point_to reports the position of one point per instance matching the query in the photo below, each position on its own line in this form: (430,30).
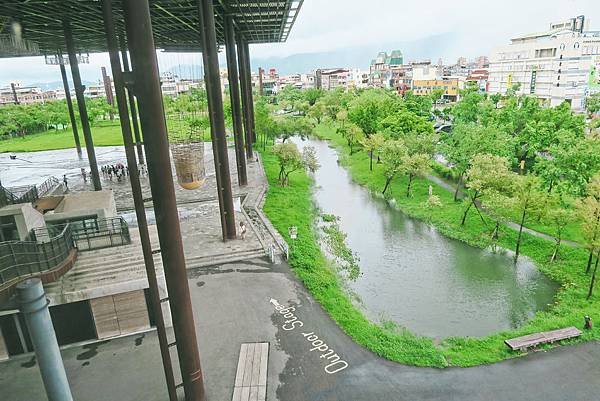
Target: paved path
(232,305)
(450,187)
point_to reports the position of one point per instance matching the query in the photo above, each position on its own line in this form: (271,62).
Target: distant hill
(432,47)
(53,85)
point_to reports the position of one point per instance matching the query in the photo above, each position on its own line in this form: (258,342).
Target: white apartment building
(558,65)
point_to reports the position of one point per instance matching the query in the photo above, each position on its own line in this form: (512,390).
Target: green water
(420,279)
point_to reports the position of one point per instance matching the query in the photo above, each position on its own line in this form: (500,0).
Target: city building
(332,78)
(384,68)
(479,78)
(25,94)
(557,65)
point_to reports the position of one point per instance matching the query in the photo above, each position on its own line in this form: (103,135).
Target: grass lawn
(104,133)
(292,206)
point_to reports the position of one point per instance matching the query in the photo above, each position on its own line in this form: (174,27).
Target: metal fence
(95,234)
(26,194)
(21,258)
(46,248)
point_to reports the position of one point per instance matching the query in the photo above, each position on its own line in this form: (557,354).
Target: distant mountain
(448,46)
(53,85)
(432,47)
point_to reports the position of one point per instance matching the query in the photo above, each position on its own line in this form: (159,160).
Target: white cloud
(324,25)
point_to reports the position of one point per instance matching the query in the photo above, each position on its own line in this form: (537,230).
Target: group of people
(118,171)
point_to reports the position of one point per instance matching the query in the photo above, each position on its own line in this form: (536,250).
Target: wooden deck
(546,337)
(251,376)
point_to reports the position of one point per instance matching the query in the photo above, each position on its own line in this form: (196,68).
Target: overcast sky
(324,25)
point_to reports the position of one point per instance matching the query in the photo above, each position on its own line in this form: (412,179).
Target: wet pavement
(238,303)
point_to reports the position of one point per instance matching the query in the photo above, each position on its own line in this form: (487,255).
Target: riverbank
(293,206)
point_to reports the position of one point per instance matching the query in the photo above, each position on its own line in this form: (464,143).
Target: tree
(589,211)
(312,95)
(393,153)
(559,217)
(309,159)
(404,122)
(291,160)
(529,199)
(372,144)
(592,104)
(467,140)
(288,127)
(353,135)
(414,166)
(317,111)
(487,173)
(370,108)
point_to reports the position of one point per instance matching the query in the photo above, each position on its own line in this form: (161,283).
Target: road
(237,303)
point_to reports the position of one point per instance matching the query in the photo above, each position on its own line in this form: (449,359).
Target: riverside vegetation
(479,220)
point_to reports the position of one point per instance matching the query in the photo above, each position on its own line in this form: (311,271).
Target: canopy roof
(175,23)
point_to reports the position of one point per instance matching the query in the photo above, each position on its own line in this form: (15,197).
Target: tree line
(511,158)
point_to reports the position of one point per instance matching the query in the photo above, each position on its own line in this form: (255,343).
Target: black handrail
(46,248)
(24,258)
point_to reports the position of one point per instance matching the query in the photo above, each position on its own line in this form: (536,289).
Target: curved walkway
(444,184)
(234,304)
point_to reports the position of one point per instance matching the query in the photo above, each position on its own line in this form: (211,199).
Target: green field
(105,133)
(292,206)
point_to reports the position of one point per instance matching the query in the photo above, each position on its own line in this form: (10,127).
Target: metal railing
(46,248)
(96,234)
(23,258)
(28,193)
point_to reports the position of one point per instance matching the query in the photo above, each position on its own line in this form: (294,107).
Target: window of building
(8,229)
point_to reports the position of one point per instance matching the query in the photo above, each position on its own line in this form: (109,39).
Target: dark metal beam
(132,106)
(217,118)
(85,122)
(245,98)
(250,95)
(138,200)
(63,74)
(236,108)
(154,127)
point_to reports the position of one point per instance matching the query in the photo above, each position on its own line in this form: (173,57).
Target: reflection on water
(418,278)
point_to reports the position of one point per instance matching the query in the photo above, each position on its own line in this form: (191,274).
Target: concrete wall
(3,350)
(26,217)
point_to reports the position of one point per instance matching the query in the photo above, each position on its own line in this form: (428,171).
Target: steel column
(248,69)
(217,118)
(85,123)
(236,108)
(14,93)
(138,200)
(132,106)
(63,74)
(34,306)
(245,98)
(154,127)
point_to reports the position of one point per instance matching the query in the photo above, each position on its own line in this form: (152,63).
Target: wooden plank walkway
(251,375)
(533,340)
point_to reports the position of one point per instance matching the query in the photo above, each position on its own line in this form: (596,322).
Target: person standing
(242,230)
(65,182)
(84,174)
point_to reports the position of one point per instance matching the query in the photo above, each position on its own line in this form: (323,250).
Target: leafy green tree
(592,103)
(589,212)
(486,174)
(416,165)
(370,108)
(372,144)
(468,139)
(353,135)
(559,217)
(529,200)
(291,160)
(317,111)
(419,105)
(294,126)
(404,122)
(393,153)
(312,95)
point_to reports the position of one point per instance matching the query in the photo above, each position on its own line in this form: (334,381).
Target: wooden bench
(546,337)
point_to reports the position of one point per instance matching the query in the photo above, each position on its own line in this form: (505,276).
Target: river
(416,277)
